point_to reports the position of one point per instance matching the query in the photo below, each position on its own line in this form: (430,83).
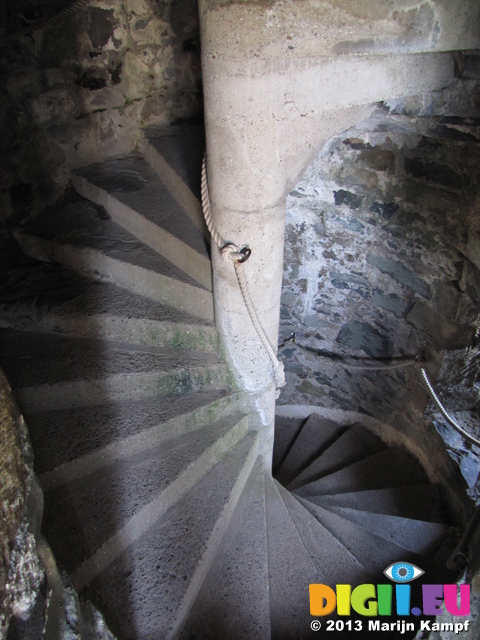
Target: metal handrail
(460,556)
(447,417)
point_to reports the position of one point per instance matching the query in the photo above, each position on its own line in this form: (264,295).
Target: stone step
(354,444)
(419,502)
(73,233)
(388,468)
(372,551)
(316,435)
(82,516)
(377,553)
(418,536)
(237,582)
(176,154)
(286,431)
(182,146)
(136,198)
(319,541)
(73,443)
(290,569)
(49,297)
(143,577)
(52,372)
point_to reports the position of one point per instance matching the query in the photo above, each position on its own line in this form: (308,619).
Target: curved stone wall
(380,273)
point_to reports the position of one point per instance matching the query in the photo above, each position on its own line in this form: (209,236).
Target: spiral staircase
(159,497)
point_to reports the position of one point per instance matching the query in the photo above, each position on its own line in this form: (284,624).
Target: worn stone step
(49,297)
(152,570)
(388,468)
(238,577)
(419,502)
(286,431)
(136,198)
(52,372)
(377,553)
(72,443)
(316,435)
(176,154)
(182,146)
(419,536)
(290,569)
(374,553)
(83,515)
(77,235)
(354,444)
(319,541)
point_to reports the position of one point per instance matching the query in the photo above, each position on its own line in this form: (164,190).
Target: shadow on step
(103,389)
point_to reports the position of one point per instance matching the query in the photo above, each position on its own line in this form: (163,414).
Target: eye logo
(403,572)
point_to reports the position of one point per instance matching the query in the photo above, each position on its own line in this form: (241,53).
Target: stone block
(351,282)
(310,389)
(351,224)
(357,143)
(363,178)
(471,66)
(21,572)
(450,132)
(473,248)
(361,336)
(434,172)
(444,333)
(471,282)
(447,301)
(399,272)
(105,98)
(469,466)
(133,77)
(377,159)
(385,209)
(54,105)
(101,25)
(351,200)
(389,302)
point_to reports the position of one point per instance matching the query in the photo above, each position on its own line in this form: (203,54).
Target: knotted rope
(232,253)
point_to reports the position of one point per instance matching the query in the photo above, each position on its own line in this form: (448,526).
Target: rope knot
(230,251)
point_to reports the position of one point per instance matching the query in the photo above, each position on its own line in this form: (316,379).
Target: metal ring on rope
(246,254)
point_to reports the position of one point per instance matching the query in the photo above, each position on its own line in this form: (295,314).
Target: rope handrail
(447,417)
(231,252)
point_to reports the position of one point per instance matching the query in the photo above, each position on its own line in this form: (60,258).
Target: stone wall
(381,270)
(37,599)
(21,572)
(76,87)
